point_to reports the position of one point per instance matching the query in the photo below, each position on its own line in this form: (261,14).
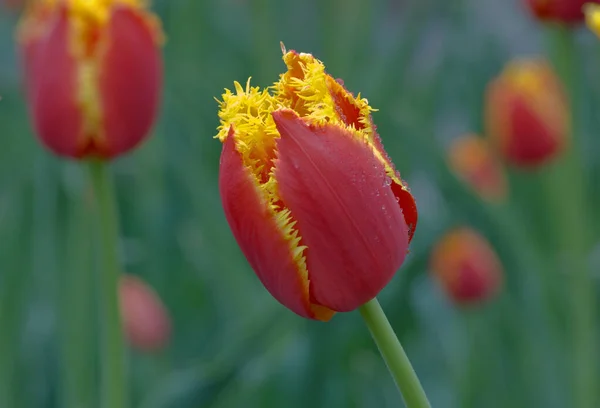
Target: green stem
(568,178)
(394,356)
(113,376)
(77,322)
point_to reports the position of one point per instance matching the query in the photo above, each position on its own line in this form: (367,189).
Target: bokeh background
(425,65)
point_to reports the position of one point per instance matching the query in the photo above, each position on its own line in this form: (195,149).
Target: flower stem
(113,377)
(394,356)
(568,180)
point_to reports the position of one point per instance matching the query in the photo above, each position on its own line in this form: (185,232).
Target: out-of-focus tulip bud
(466,266)
(592,17)
(311,196)
(146,322)
(561,11)
(527,115)
(93,73)
(473,160)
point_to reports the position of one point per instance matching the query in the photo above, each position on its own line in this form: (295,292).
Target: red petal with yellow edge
(50,78)
(346,211)
(257,234)
(130,81)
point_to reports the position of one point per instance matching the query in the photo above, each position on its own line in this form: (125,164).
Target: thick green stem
(77,311)
(394,356)
(567,177)
(113,373)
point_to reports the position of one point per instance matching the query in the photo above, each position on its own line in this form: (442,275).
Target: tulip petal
(130,80)
(52,88)
(346,211)
(258,235)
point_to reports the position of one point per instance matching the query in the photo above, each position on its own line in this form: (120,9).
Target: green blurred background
(424,64)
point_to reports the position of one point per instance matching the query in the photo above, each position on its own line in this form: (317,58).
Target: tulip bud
(466,266)
(527,114)
(561,11)
(145,322)
(93,74)
(472,160)
(312,199)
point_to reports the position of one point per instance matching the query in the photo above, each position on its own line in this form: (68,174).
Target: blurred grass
(425,65)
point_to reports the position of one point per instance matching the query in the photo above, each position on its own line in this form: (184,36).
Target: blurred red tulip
(466,266)
(527,114)
(93,72)
(313,200)
(146,322)
(473,160)
(563,11)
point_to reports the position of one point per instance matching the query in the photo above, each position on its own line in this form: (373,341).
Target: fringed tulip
(466,266)
(93,73)
(560,11)
(146,322)
(527,114)
(313,200)
(473,160)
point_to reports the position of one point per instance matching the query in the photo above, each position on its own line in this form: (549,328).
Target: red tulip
(473,160)
(93,73)
(527,114)
(466,266)
(563,11)
(146,322)
(313,200)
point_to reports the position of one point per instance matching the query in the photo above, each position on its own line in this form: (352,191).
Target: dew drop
(387,182)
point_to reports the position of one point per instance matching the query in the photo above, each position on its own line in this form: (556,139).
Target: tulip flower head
(313,200)
(466,266)
(473,160)
(527,114)
(93,74)
(560,11)
(146,322)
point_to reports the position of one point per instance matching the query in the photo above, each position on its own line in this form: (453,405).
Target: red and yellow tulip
(466,266)
(527,114)
(473,160)
(563,11)
(93,73)
(313,200)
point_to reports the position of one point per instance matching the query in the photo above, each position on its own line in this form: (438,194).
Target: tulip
(561,11)
(466,266)
(93,74)
(146,322)
(527,115)
(473,160)
(313,200)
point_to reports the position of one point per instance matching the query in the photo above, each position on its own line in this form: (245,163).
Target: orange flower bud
(313,200)
(93,73)
(562,11)
(466,266)
(145,320)
(472,160)
(527,114)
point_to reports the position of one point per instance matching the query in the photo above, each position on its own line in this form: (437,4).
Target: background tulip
(311,196)
(563,11)
(527,115)
(466,266)
(93,73)
(473,160)
(146,322)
